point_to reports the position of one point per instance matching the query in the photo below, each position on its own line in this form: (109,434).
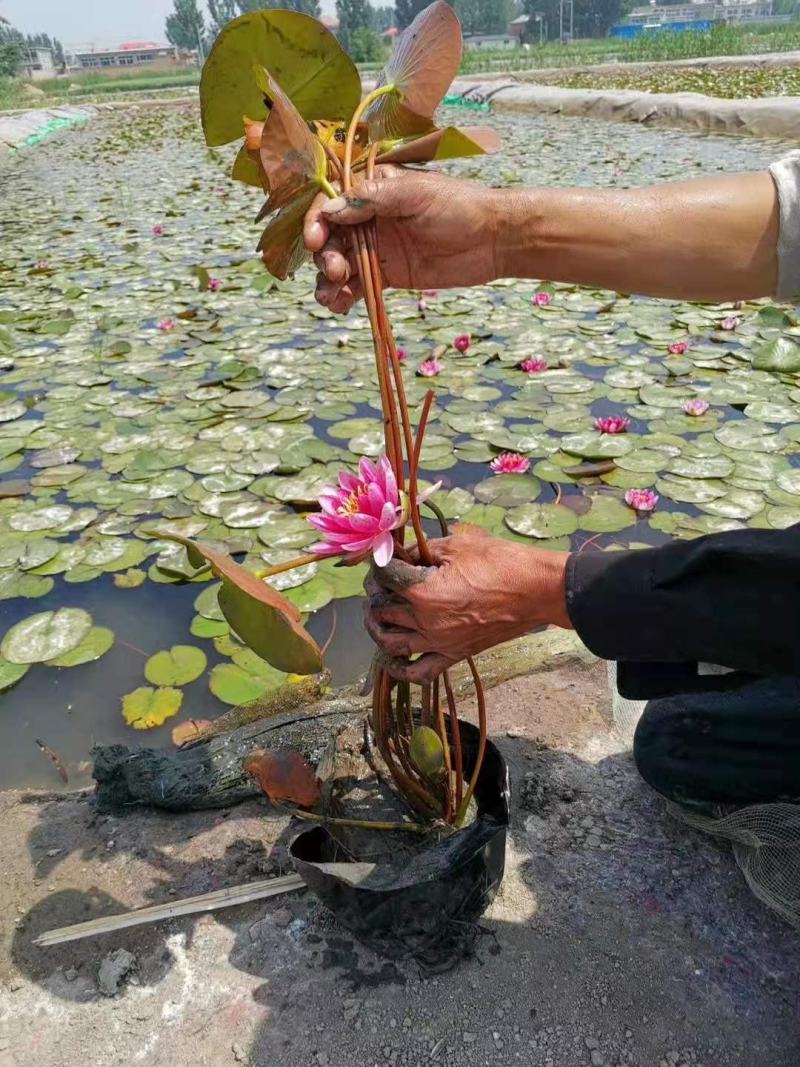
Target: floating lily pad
(232,685)
(96,643)
(178,665)
(508,490)
(11,673)
(542,520)
(46,636)
(146,707)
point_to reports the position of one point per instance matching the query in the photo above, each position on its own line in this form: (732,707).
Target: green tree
(185,27)
(352,15)
(382,19)
(220,12)
(305,7)
(483,16)
(406,10)
(365,46)
(10,58)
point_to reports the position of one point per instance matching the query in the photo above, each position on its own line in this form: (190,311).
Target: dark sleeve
(732,599)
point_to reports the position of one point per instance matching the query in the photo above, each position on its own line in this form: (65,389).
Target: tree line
(14,46)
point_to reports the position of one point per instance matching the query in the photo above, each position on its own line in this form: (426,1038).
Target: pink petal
(323,548)
(388,519)
(426,494)
(383,549)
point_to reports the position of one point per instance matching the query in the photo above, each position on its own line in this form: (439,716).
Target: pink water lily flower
(641,499)
(41,265)
(677,348)
(421,305)
(359,514)
(429,368)
(612,424)
(214,285)
(533,366)
(696,406)
(157,230)
(462,342)
(510,463)
(402,355)
(165,325)
(430,292)
(730,322)
(541,299)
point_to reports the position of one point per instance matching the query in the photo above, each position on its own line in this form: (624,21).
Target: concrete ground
(619,937)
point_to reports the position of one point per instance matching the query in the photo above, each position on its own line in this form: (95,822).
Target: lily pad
(178,665)
(232,685)
(46,636)
(11,673)
(96,643)
(146,708)
(542,520)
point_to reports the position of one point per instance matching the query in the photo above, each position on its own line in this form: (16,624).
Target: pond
(134,396)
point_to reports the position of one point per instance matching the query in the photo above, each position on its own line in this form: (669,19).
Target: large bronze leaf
(305,57)
(424,62)
(266,621)
(290,154)
(451,142)
(283,774)
(281,246)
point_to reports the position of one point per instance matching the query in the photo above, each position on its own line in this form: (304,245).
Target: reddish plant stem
(422,544)
(481,700)
(426,704)
(438,714)
(456,738)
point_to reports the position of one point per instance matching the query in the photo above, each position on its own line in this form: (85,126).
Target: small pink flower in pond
(641,499)
(402,355)
(167,324)
(677,348)
(41,265)
(541,299)
(730,322)
(429,368)
(462,342)
(214,285)
(696,406)
(157,230)
(533,366)
(421,305)
(510,463)
(430,292)
(612,424)
(359,514)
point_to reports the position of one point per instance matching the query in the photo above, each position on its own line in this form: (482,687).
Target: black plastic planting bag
(426,907)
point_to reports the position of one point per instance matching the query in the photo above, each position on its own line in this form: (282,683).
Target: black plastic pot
(428,907)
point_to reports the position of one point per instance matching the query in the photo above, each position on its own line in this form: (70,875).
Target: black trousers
(735,742)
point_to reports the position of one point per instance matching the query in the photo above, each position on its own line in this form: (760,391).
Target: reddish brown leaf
(448,143)
(283,774)
(290,154)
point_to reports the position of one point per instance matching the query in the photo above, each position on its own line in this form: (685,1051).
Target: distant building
(490,41)
(130,54)
(700,15)
(529,29)
(38,64)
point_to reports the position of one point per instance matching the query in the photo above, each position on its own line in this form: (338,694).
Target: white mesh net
(765,838)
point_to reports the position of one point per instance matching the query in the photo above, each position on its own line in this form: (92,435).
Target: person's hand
(434,232)
(480,592)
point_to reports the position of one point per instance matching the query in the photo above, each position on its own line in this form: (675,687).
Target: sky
(101,22)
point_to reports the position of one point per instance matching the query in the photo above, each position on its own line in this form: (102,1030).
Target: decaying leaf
(283,774)
(267,622)
(188,731)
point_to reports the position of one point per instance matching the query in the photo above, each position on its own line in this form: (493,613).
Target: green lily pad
(782,354)
(11,673)
(46,635)
(542,520)
(508,490)
(178,665)
(146,708)
(593,445)
(608,514)
(96,643)
(235,686)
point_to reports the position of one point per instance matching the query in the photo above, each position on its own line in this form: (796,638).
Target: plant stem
(456,734)
(479,696)
(422,545)
(289,565)
(351,131)
(363,824)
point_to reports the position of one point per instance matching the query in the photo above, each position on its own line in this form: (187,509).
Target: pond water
(133,396)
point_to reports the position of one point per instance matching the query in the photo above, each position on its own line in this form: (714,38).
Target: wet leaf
(283,774)
(45,636)
(542,520)
(146,707)
(11,673)
(96,643)
(426,751)
(178,665)
(233,685)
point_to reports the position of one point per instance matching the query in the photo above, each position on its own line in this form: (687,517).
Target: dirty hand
(433,232)
(480,592)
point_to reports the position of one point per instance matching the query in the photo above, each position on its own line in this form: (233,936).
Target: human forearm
(707,239)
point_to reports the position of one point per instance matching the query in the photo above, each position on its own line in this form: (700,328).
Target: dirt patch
(619,936)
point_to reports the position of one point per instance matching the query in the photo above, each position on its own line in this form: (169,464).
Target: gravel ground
(619,936)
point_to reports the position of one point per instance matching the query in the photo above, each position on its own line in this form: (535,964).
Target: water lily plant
(280,81)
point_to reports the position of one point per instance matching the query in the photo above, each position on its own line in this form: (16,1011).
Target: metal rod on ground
(213,901)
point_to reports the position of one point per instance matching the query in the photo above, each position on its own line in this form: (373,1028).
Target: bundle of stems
(393,717)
